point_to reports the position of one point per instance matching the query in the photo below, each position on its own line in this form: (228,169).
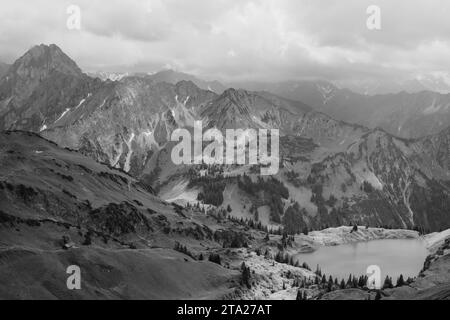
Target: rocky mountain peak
(41,60)
(34,67)
(233,99)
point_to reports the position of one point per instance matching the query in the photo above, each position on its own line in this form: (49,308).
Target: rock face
(400,183)
(343,235)
(34,67)
(39,87)
(124,122)
(3,69)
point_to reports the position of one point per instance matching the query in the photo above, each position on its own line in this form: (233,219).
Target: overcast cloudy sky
(238,39)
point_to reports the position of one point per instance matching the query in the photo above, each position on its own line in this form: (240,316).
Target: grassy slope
(33,261)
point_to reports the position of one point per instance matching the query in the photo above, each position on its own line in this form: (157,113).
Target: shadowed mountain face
(34,67)
(39,86)
(408,115)
(3,69)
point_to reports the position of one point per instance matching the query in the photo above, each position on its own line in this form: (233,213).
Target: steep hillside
(59,208)
(384,180)
(125,122)
(334,173)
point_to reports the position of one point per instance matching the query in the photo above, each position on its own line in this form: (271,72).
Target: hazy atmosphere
(240,40)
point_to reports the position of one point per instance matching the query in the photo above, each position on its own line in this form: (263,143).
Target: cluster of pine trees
(256,225)
(212,192)
(213,183)
(294,178)
(215,257)
(293,222)
(231,239)
(183,249)
(274,191)
(388,283)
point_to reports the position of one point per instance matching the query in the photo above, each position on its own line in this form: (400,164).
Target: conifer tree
(349,281)
(400,281)
(388,283)
(378,295)
(299,295)
(318,271)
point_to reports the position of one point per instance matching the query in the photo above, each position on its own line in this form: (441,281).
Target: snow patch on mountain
(81,102)
(126,166)
(433,108)
(63,114)
(147,138)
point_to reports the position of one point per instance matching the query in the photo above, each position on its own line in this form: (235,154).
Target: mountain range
(407,109)
(86,178)
(432,82)
(169,76)
(337,171)
(403,114)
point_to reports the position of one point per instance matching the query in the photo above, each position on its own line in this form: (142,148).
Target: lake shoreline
(344,235)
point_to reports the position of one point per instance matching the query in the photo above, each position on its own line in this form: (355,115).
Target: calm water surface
(394,257)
